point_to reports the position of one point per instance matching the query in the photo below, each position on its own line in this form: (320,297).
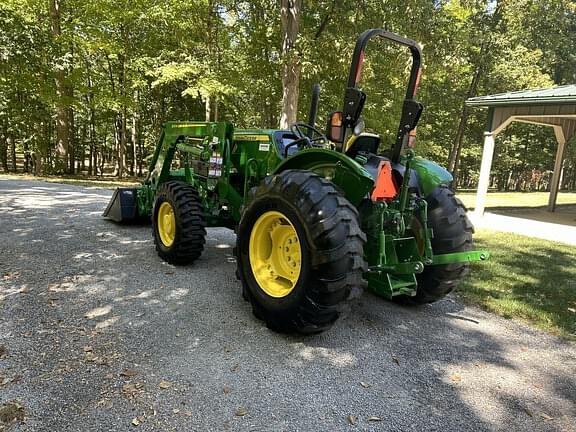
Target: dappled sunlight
(102,254)
(109,301)
(107,323)
(177,294)
(69,283)
(336,358)
(20,201)
(10,291)
(98,312)
(525,278)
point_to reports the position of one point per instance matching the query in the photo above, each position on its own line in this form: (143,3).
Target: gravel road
(98,334)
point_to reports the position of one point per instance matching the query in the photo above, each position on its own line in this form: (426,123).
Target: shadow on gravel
(106,332)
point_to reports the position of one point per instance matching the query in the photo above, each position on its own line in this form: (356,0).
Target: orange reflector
(385,188)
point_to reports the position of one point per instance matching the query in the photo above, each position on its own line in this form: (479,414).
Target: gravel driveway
(98,334)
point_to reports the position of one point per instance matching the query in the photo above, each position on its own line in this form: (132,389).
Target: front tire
(178,223)
(452,233)
(299,251)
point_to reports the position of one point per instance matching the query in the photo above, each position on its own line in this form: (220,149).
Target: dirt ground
(98,334)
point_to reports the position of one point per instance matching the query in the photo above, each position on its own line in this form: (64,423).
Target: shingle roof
(554,95)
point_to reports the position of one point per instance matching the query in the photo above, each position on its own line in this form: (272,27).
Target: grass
(528,279)
(516,199)
(96,182)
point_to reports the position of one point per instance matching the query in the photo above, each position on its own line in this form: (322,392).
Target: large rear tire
(452,233)
(299,251)
(178,223)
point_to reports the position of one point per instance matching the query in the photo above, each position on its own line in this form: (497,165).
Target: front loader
(317,215)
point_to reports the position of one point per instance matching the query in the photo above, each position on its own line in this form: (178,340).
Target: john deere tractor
(317,215)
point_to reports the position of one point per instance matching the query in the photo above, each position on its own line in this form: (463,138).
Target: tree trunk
(134,135)
(289,18)
(12,144)
(481,64)
(4,148)
(71,142)
(62,92)
(208,107)
(454,158)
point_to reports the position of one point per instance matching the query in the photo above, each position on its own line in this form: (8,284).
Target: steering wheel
(317,138)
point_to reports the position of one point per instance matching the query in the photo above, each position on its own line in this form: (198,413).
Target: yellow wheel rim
(166,224)
(275,254)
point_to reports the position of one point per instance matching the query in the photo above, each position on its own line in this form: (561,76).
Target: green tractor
(317,216)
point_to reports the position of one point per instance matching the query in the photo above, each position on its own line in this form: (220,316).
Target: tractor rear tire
(452,233)
(299,251)
(178,221)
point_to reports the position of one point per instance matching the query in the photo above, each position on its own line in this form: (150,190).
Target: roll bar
(354,98)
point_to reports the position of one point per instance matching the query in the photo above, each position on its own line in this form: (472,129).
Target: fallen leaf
(175,410)
(11,412)
(529,412)
(226,389)
(545,416)
(136,421)
(365,385)
(10,275)
(133,389)
(352,419)
(3,351)
(24,290)
(101,361)
(165,384)
(374,419)
(87,348)
(456,377)
(128,373)
(241,412)
(395,359)
(105,403)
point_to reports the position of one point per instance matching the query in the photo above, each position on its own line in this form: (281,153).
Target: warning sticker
(264,147)
(239,137)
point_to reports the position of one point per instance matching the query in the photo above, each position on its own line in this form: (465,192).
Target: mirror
(335,130)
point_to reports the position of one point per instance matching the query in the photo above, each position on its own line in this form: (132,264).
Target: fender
(430,175)
(347,174)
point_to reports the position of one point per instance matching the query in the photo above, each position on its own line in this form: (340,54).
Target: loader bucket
(123,206)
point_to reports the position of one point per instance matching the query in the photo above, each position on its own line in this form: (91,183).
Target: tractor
(318,216)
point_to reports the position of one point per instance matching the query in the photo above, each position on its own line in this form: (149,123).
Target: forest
(86,86)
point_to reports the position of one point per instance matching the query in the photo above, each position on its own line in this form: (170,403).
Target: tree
(290,17)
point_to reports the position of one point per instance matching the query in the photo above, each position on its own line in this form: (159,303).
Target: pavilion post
(555,184)
(485,167)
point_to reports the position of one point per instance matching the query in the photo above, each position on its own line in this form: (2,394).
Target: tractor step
(123,206)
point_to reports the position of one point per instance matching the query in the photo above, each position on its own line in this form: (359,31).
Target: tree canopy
(85,86)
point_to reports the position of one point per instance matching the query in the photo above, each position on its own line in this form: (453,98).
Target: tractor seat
(363,143)
(283,138)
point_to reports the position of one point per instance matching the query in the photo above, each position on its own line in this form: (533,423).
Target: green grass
(528,279)
(516,199)
(101,183)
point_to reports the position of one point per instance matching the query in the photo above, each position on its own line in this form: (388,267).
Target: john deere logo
(252,137)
